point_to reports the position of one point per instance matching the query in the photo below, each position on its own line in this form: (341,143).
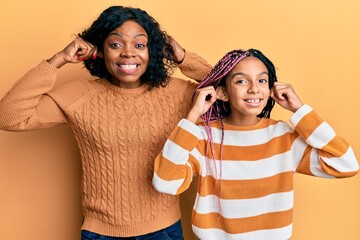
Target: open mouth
(128,66)
(253,100)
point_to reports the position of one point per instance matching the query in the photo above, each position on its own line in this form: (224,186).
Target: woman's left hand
(179,52)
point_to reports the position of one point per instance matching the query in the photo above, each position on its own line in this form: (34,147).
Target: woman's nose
(127,51)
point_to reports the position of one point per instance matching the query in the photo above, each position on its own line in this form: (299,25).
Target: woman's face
(126,54)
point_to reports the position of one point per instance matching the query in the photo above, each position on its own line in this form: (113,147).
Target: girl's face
(126,54)
(247,90)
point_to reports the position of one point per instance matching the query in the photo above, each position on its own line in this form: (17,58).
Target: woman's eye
(140,45)
(115,45)
(263,81)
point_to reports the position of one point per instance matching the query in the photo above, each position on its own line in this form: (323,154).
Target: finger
(95,53)
(85,50)
(278,94)
(209,93)
(211,97)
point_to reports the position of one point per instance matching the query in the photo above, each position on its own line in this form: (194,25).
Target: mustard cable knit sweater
(119,133)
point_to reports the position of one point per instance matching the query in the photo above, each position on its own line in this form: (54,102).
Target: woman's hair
(217,77)
(111,18)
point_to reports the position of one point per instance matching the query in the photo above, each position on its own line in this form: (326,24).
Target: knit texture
(249,193)
(119,133)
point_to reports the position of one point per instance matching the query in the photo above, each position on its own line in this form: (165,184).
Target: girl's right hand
(203,99)
(77,51)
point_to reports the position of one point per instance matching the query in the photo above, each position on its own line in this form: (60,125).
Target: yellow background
(315,46)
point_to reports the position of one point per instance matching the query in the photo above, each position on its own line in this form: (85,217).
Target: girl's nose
(254,88)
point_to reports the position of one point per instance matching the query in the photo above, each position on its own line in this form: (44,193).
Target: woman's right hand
(77,51)
(203,99)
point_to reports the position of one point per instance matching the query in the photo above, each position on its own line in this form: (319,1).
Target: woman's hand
(285,96)
(78,50)
(179,52)
(203,99)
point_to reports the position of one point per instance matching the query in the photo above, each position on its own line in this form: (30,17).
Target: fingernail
(94,56)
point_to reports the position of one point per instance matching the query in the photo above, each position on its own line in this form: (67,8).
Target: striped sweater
(249,193)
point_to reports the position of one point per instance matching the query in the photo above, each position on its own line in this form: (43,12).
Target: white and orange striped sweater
(253,197)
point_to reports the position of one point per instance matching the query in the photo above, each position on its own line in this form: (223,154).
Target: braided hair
(217,77)
(221,109)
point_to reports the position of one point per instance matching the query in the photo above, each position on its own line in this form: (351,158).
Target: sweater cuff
(299,114)
(44,66)
(188,61)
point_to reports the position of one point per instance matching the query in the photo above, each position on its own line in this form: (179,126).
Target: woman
(120,120)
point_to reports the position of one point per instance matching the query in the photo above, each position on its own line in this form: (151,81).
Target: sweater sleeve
(194,66)
(27,106)
(178,161)
(318,150)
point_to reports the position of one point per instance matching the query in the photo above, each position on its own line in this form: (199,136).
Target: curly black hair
(159,67)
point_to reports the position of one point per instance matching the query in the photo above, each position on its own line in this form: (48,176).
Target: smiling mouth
(128,66)
(253,100)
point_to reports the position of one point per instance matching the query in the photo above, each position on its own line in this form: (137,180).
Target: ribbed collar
(130,91)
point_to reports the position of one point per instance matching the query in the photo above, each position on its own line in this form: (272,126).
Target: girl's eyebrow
(244,74)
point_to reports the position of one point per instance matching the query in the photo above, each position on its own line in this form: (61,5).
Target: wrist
(192,117)
(297,108)
(57,60)
(180,55)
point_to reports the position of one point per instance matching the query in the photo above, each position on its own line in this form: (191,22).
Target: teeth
(128,66)
(252,100)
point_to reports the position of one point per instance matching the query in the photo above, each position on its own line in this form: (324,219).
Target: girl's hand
(285,96)
(78,50)
(203,100)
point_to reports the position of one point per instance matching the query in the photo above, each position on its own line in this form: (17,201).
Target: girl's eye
(240,81)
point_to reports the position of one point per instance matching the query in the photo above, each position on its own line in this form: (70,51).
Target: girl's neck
(243,121)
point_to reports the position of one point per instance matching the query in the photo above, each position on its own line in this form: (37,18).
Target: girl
(244,159)
(120,120)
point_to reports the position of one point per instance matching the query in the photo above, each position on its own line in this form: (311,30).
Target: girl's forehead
(249,64)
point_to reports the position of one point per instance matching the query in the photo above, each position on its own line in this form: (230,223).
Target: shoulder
(178,83)
(272,123)
(70,88)
(71,92)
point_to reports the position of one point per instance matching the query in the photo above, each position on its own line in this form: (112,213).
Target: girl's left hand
(285,96)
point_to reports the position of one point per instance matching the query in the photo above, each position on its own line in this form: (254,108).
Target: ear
(221,94)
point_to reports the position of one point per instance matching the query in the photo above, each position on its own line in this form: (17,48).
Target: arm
(323,153)
(194,67)
(190,64)
(175,166)
(27,106)
(317,150)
